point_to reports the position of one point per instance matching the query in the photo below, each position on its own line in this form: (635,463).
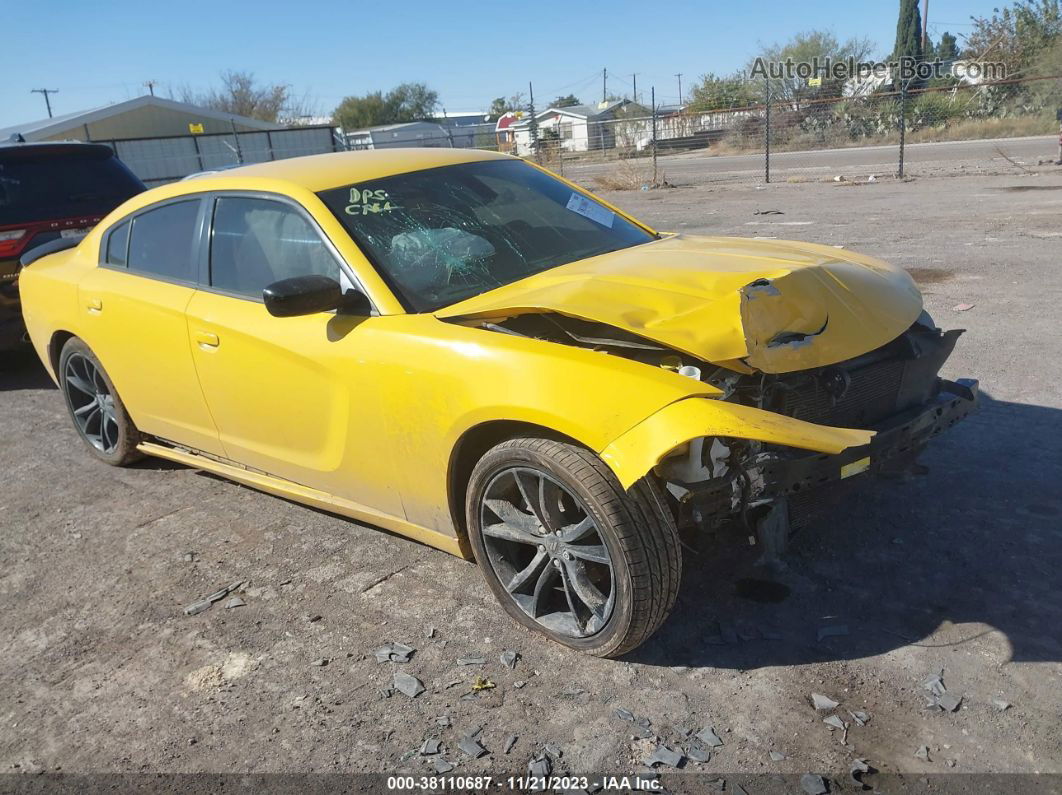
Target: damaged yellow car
(465,349)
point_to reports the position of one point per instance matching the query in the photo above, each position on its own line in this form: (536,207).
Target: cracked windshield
(445,234)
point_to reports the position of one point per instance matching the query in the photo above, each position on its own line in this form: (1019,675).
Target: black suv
(50,191)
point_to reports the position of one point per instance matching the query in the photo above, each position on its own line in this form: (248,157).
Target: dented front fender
(637,451)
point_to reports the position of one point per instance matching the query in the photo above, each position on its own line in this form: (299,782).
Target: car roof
(35,148)
(335,169)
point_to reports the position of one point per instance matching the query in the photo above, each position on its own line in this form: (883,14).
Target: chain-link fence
(988,128)
(627,145)
(982,128)
(881,133)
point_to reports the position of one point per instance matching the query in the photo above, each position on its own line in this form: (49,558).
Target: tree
(1016,36)
(947,49)
(717,93)
(806,47)
(565,102)
(502,105)
(909,32)
(240,95)
(1048,93)
(404,103)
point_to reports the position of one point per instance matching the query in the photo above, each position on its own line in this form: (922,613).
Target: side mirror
(308,295)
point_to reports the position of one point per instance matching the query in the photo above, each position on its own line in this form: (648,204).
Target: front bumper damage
(895,443)
(774,475)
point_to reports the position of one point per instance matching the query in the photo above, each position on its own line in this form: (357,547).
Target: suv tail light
(11,241)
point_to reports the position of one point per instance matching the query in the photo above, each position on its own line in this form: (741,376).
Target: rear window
(61,184)
(163,240)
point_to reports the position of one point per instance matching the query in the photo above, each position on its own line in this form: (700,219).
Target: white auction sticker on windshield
(592,210)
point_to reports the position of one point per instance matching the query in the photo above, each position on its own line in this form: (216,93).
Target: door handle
(94,305)
(207,339)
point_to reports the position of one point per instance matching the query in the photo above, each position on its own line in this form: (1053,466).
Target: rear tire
(98,414)
(542,517)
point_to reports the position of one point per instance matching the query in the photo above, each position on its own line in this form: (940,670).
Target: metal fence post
(903,125)
(236,138)
(198,153)
(1059,161)
(653,94)
(767,130)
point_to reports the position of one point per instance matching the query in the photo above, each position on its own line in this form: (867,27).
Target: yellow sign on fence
(814,81)
(195,127)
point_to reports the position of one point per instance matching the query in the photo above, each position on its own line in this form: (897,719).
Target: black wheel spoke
(511,532)
(98,382)
(91,421)
(578,531)
(80,384)
(549,512)
(107,425)
(513,516)
(525,484)
(523,576)
(594,554)
(542,584)
(573,602)
(582,586)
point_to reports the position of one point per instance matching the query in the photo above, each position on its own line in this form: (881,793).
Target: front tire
(566,551)
(98,414)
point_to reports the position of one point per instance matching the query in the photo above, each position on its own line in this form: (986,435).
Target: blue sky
(102,52)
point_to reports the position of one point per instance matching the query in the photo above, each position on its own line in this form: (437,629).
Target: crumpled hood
(776,305)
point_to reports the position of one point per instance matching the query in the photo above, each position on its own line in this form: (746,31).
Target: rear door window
(163,241)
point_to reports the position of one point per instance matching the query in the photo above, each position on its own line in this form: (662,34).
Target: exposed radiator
(871,397)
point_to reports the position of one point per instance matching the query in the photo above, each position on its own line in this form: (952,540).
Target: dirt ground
(958,571)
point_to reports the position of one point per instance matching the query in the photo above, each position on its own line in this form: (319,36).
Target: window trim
(207,238)
(194,249)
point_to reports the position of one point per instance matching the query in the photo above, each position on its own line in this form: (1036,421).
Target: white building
(582,128)
(390,136)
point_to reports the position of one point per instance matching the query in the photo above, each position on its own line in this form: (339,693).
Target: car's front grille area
(871,397)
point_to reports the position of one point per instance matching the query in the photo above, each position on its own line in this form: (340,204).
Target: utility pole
(604,84)
(46,92)
(532,123)
(925,25)
(150,85)
(679,76)
(634,78)
(652,94)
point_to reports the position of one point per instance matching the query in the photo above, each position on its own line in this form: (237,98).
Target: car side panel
(136,326)
(296,397)
(439,380)
(48,290)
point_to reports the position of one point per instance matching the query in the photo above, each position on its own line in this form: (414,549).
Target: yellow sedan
(465,349)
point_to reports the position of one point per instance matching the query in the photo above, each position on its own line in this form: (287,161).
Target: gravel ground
(957,573)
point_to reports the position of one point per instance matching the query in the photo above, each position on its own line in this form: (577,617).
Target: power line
(46,92)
